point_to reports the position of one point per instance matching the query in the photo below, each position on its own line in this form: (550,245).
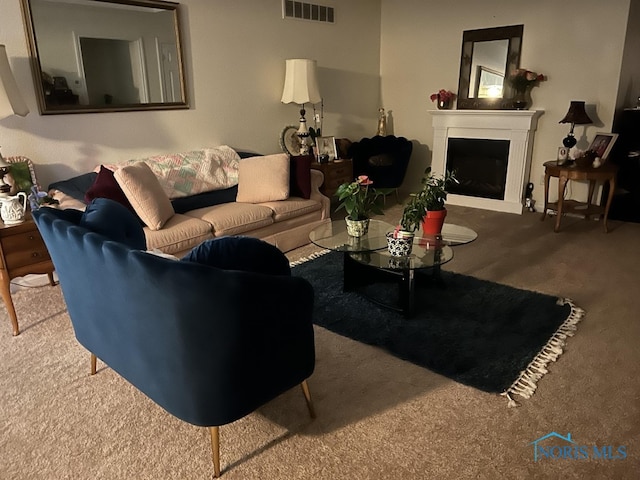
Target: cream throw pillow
(263,179)
(144,192)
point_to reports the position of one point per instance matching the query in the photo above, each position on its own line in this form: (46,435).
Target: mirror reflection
(487,69)
(488,55)
(115,55)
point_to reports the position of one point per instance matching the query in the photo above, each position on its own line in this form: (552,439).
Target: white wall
(577,44)
(234,52)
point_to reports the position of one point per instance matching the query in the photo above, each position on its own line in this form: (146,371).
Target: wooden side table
(335,173)
(564,173)
(22,251)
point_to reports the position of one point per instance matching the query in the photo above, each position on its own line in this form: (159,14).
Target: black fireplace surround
(480,165)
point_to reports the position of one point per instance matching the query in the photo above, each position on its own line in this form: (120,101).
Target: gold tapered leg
(93,364)
(307,396)
(215,449)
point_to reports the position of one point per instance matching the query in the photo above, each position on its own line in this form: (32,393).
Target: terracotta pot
(433,221)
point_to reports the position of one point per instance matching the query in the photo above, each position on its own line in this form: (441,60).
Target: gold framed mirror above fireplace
(91,56)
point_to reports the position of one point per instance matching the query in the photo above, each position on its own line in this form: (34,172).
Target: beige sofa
(284,223)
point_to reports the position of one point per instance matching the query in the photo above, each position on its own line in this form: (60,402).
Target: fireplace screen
(479,165)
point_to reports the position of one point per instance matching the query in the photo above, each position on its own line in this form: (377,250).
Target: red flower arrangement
(521,79)
(443,95)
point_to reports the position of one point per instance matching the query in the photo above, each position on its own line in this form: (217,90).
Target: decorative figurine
(382,123)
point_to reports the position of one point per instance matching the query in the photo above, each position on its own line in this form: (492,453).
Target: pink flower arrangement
(359,199)
(521,79)
(443,95)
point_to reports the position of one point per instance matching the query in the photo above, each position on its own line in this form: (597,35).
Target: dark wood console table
(564,173)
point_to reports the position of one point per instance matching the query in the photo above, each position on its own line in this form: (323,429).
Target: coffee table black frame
(366,260)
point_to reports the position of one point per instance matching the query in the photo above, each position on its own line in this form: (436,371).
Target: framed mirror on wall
(488,56)
(91,56)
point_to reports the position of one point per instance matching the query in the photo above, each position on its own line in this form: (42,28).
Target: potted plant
(400,241)
(430,200)
(522,80)
(360,201)
(444,98)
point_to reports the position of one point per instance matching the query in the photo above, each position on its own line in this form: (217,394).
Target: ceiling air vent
(308,11)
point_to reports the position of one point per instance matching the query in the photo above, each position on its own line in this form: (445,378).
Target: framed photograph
(563,155)
(602,144)
(327,146)
(21,176)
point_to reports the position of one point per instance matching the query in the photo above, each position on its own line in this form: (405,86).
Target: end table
(564,173)
(335,173)
(22,251)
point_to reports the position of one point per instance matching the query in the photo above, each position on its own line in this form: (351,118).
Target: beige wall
(235,52)
(577,44)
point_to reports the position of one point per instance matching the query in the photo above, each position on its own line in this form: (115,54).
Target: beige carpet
(378,417)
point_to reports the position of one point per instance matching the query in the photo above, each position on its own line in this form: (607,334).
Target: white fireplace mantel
(516,126)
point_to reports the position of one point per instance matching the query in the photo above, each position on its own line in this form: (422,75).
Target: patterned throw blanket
(189,173)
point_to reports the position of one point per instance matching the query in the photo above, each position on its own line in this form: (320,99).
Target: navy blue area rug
(483,334)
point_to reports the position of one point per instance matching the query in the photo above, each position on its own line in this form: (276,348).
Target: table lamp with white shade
(300,87)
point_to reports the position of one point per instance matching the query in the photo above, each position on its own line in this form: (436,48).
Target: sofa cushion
(263,179)
(204,199)
(240,253)
(300,176)
(145,194)
(116,222)
(234,218)
(292,207)
(105,186)
(180,234)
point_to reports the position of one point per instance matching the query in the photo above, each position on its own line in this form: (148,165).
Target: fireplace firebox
(480,166)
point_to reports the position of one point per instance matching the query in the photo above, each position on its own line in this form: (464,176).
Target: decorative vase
(433,221)
(401,245)
(520,101)
(357,228)
(443,104)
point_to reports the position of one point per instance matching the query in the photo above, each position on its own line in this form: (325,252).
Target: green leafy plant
(432,197)
(359,199)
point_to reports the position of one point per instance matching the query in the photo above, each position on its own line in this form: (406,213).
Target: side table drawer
(342,173)
(24,249)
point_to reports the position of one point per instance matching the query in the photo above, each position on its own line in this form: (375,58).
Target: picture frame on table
(327,146)
(563,155)
(21,176)
(602,144)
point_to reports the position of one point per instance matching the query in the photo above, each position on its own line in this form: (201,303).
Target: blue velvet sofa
(209,338)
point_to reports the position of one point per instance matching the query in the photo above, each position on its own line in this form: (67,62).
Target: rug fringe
(526,383)
(313,256)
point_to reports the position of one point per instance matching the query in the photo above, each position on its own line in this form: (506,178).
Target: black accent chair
(209,338)
(383,159)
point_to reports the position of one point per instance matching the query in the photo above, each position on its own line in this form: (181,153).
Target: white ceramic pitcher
(13,208)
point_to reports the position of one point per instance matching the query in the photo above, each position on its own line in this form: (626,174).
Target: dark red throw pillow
(106,186)
(300,176)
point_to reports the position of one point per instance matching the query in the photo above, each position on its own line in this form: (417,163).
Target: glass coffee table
(367,261)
